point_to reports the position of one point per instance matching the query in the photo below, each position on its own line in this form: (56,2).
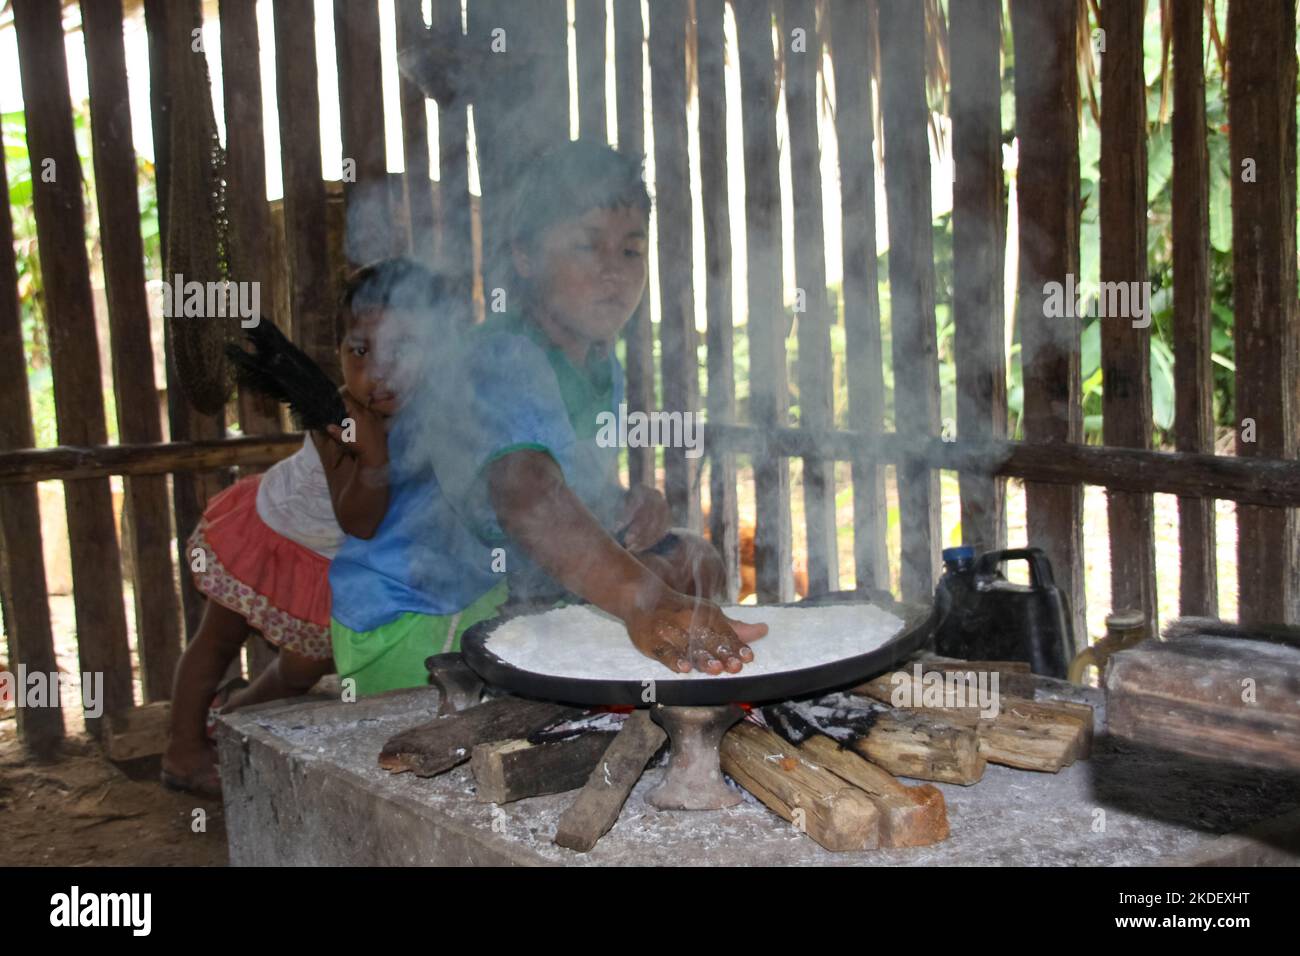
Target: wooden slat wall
(978,237)
(157,615)
(851,45)
(629,76)
(415,142)
(22,564)
(674,248)
(368,235)
(589,40)
(1261,117)
(455,225)
(74,353)
(1198,584)
(714,196)
(1125,345)
(768,393)
(1047,124)
(816,401)
(911,282)
(305,224)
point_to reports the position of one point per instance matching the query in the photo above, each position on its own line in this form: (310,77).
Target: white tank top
(293,500)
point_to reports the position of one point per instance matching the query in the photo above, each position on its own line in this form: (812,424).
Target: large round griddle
(701,692)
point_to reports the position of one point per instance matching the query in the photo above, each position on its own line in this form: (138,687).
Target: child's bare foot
(193,770)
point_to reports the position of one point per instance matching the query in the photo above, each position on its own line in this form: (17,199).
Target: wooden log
(138,732)
(769,397)
(65,463)
(435,747)
(508,770)
(415,142)
(909,816)
(910,744)
(157,613)
(1198,578)
(678,340)
(816,398)
(1261,116)
(455,248)
(838,816)
(246,206)
(1126,338)
(310,282)
(22,566)
(911,282)
(589,41)
(1047,123)
(724,519)
(978,240)
(851,48)
(597,805)
(629,73)
(1222,698)
(74,353)
(361,119)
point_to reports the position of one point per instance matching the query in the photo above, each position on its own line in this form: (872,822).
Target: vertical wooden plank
(1047,124)
(102,645)
(455,225)
(368,232)
(311,298)
(589,38)
(415,142)
(768,393)
(978,231)
(816,398)
(911,282)
(156,609)
(1261,117)
(629,74)
(1198,590)
(724,518)
(1126,339)
(22,565)
(851,46)
(678,339)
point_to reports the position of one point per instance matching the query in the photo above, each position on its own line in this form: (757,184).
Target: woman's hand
(646,517)
(369,440)
(683,632)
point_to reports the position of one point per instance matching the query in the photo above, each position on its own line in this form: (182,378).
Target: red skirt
(279,586)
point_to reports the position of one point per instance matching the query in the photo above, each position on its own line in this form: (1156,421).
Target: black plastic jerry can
(986,617)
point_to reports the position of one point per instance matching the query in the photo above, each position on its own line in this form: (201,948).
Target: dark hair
(568,181)
(391,283)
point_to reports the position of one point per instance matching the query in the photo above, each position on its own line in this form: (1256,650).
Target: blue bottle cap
(963,553)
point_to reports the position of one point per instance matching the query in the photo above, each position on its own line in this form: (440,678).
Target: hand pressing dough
(582,642)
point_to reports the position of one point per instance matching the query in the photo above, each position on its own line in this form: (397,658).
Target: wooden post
(156,610)
(306,227)
(1261,116)
(368,234)
(74,353)
(589,39)
(1047,124)
(455,250)
(629,67)
(678,339)
(415,142)
(851,46)
(22,565)
(724,519)
(768,394)
(1198,591)
(978,236)
(911,282)
(1125,338)
(816,398)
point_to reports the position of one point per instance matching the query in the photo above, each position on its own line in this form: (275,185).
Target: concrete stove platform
(302,787)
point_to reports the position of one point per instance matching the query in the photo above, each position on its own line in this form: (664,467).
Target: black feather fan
(278,368)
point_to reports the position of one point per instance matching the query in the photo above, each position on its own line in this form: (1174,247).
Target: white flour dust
(582,642)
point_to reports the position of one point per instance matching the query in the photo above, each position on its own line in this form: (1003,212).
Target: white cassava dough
(582,642)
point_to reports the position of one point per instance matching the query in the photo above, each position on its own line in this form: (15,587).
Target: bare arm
(356,472)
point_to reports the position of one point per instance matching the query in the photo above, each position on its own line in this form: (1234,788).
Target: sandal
(204,783)
(224,690)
